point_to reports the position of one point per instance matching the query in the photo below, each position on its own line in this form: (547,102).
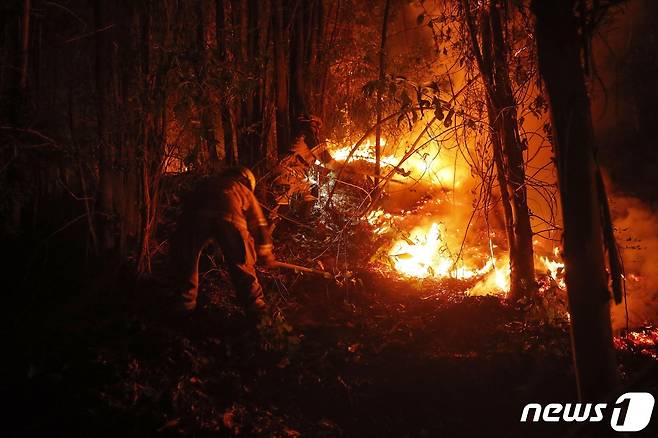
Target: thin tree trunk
(298,70)
(25,43)
(103,67)
(131,86)
(235,55)
(228,125)
(280,38)
(254,114)
(380,88)
(313,56)
(208,136)
(587,284)
(144,259)
(328,41)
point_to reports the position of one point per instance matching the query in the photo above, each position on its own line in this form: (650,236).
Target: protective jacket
(222,209)
(224,198)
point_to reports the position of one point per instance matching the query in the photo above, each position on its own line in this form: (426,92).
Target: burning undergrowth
(642,341)
(430,232)
(436,218)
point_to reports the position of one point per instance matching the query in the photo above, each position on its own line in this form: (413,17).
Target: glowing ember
(643,340)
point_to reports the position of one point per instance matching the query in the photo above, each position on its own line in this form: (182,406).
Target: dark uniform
(222,208)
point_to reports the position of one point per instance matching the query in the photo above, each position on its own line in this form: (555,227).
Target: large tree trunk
(522,268)
(587,284)
(507,147)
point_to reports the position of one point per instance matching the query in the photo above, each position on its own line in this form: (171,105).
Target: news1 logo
(630,413)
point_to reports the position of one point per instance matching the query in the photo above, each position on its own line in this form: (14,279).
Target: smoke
(636,226)
(623,109)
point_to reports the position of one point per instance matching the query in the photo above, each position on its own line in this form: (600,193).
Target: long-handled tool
(325,274)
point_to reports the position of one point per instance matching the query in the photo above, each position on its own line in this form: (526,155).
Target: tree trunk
(228,124)
(507,147)
(587,284)
(298,66)
(254,114)
(103,79)
(380,88)
(25,43)
(280,38)
(522,269)
(208,136)
(314,56)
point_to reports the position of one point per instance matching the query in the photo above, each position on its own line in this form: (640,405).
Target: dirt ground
(366,354)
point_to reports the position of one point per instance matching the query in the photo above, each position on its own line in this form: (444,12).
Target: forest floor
(369,355)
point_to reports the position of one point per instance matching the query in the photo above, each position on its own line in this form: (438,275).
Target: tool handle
(278,264)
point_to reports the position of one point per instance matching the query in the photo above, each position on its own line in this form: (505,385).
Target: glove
(266,257)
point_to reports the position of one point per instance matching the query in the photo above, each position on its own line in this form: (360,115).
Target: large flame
(426,242)
(424,254)
(423,165)
(555,270)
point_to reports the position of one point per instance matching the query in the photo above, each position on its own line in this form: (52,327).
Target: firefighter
(224,209)
(293,178)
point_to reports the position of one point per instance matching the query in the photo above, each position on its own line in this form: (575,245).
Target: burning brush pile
(433,221)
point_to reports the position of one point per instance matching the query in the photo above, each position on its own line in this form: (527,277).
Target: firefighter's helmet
(245,175)
(310,123)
